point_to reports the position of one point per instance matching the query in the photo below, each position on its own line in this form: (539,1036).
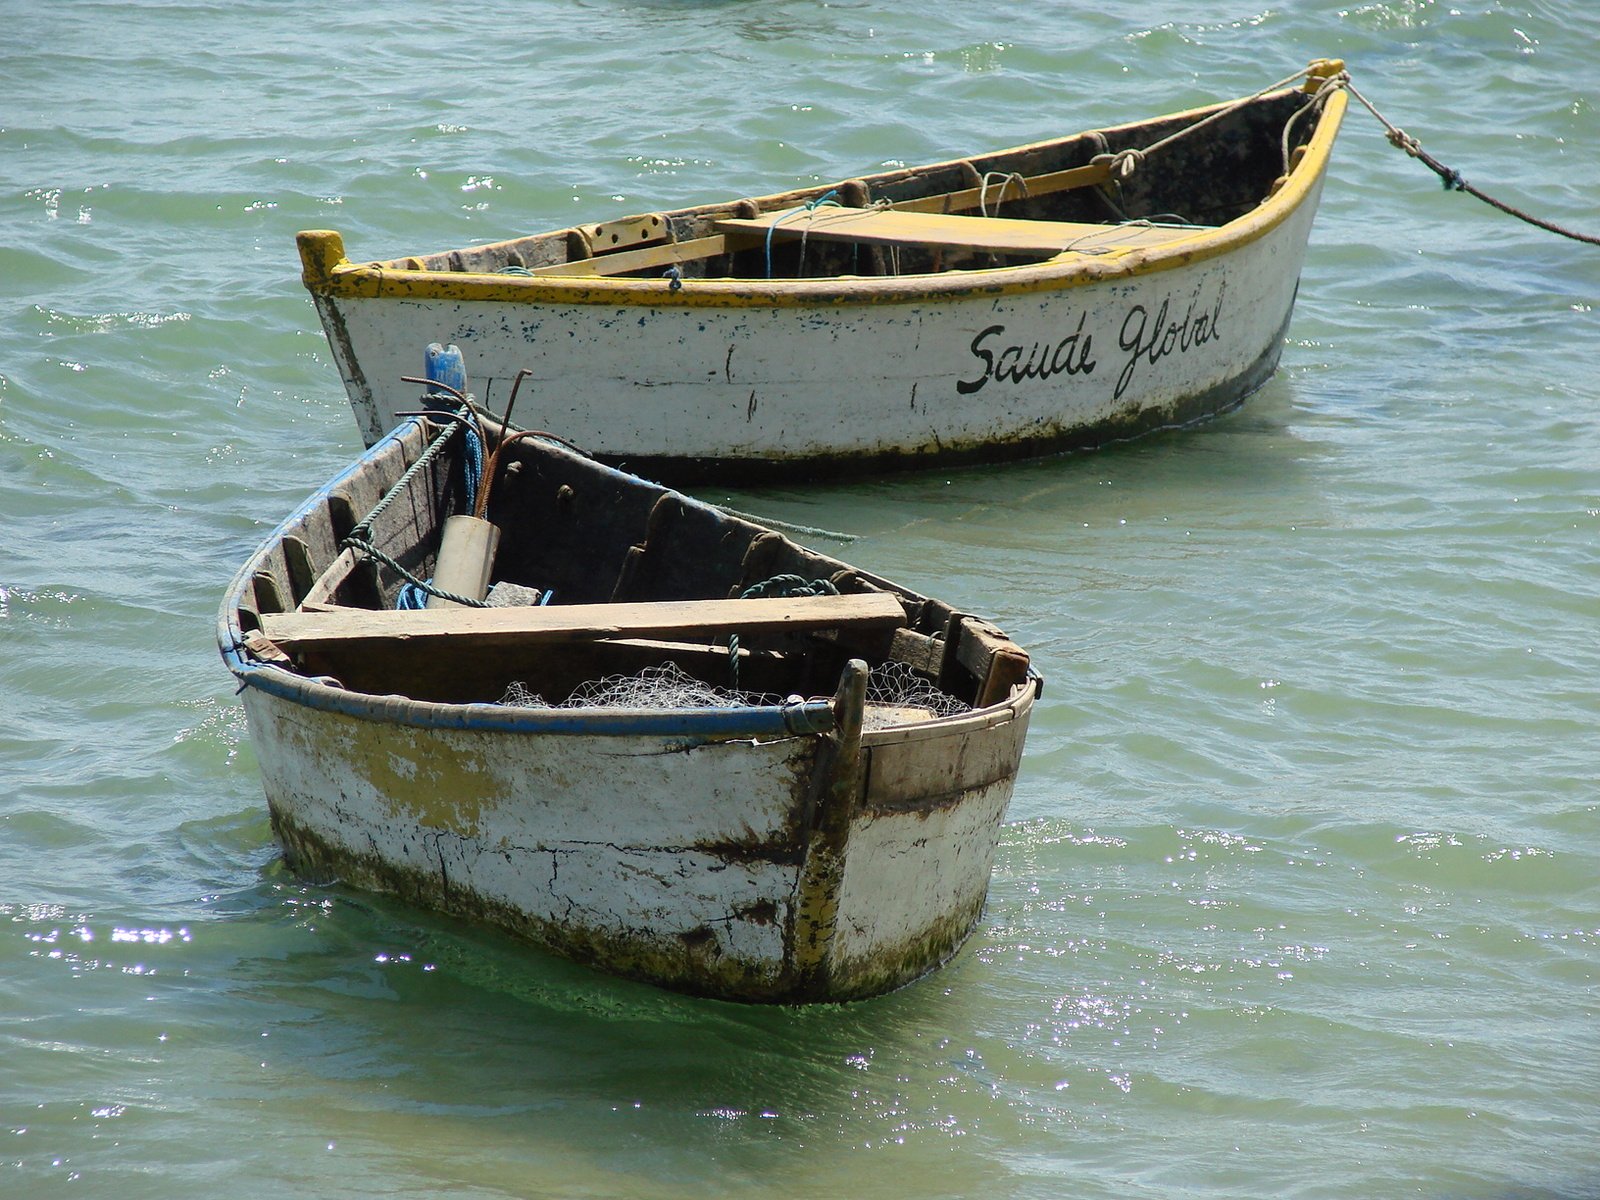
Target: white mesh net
(896,694)
(664,686)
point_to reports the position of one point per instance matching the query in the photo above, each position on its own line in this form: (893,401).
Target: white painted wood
(903,867)
(620,843)
(920,378)
(595,834)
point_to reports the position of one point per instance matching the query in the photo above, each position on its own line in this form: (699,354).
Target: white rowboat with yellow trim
(1058,295)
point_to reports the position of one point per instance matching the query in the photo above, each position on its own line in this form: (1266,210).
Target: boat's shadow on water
(1208,474)
(407,1011)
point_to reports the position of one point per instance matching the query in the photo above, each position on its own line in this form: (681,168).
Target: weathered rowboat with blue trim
(1056,295)
(803,839)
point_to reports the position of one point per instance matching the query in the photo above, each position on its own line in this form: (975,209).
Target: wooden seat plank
(888,226)
(688,620)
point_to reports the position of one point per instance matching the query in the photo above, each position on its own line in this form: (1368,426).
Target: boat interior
(1009,208)
(608,575)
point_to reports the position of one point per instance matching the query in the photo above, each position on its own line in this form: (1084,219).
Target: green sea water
(1299,895)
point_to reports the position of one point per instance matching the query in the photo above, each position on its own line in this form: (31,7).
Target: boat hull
(662,769)
(818,391)
(725,372)
(681,860)
(836,388)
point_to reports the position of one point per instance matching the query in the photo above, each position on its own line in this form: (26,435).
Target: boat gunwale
(326,273)
(803,718)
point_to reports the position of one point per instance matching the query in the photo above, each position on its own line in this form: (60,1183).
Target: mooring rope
(1449,176)
(1124,163)
(1286,143)
(812,531)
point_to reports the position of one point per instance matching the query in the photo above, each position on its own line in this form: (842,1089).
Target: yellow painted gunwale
(328,272)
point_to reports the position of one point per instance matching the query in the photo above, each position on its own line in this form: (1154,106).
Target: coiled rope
(789,585)
(777,586)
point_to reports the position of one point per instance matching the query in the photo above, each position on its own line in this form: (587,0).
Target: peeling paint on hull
(662,860)
(772,850)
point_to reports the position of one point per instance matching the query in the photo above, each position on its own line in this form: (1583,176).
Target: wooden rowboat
(821,828)
(1057,295)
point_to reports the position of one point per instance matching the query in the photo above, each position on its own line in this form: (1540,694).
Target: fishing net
(901,687)
(896,694)
(664,686)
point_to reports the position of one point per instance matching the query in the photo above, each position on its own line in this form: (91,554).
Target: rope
(412,597)
(471,466)
(828,199)
(364,526)
(1329,85)
(408,601)
(788,585)
(1005,182)
(1450,177)
(1125,162)
(413,591)
(813,531)
(777,586)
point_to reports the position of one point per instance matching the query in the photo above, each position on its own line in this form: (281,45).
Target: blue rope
(412,597)
(472,466)
(827,200)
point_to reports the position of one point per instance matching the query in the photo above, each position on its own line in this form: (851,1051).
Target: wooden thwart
(686,620)
(894,226)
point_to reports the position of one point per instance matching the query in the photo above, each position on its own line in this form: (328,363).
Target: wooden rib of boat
(1057,295)
(811,833)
